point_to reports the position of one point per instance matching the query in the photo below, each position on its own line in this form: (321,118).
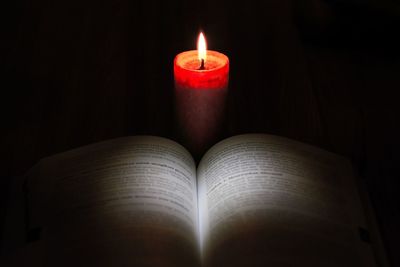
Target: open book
(254,200)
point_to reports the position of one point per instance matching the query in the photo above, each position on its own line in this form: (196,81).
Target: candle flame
(202,47)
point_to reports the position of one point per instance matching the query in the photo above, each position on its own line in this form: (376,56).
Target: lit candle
(201,82)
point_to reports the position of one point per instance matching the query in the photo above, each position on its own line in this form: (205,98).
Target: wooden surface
(322,72)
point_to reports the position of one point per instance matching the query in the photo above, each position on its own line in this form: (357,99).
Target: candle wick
(202,65)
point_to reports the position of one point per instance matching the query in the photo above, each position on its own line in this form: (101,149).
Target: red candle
(201,82)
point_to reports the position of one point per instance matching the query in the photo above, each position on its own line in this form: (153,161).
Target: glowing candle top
(201,68)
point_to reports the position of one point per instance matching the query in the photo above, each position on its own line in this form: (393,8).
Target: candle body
(200,97)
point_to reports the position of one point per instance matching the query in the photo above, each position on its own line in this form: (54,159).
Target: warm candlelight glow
(201,85)
(201,47)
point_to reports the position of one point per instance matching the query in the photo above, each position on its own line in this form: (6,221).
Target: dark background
(325,72)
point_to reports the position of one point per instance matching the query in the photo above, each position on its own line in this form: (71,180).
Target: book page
(270,201)
(126,202)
